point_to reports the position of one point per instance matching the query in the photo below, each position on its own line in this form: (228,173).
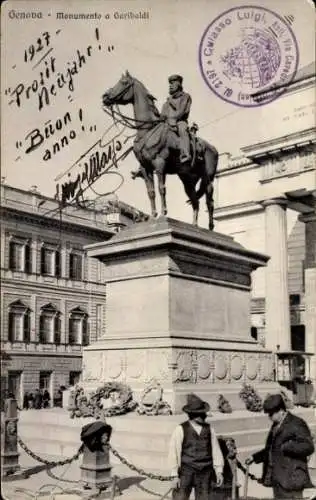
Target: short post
(9,438)
(230,487)
(95,467)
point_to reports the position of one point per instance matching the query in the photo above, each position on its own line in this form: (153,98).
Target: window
(50,261)
(19,322)
(46,383)
(75,266)
(295,299)
(74,378)
(254,332)
(298,337)
(19,255)
(78,327)
(15,385)
(50,323)
(99,322)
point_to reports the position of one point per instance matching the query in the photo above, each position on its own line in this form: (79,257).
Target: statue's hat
(173,78)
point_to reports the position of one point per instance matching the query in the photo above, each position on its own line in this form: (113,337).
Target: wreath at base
(113,398)
(151,402)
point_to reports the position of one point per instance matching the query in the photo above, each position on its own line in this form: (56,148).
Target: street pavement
(63,483)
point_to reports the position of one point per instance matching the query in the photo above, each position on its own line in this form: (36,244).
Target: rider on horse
(176,110)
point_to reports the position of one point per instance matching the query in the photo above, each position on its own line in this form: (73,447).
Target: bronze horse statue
(156,147)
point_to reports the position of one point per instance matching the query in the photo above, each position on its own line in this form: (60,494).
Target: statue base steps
(142,440)
(176,396)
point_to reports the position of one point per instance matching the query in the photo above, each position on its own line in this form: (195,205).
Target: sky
(40,50)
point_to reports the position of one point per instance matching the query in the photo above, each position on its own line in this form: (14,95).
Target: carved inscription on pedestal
(252,365)
(221,367)
(204,366)
(236,367)
(93,366)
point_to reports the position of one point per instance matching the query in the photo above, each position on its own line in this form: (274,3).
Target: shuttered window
(75,266)
(78,327)
(20,256)
(50,325)
(50,261)
(18,322)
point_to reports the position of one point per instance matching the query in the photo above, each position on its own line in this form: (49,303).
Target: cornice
(289,88)
(279,145)
(237,210)
(240,163)
(56,287)
(40,221)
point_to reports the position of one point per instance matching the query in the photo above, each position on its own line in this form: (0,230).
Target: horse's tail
(210,167)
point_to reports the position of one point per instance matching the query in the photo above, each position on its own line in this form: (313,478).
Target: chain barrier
(158,477)
(60,478)
(53,463)
(140,471)
(150,492)
(123,460)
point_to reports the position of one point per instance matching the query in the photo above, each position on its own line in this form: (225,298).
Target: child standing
(195,456)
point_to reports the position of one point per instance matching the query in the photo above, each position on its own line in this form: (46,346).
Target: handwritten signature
(102,158)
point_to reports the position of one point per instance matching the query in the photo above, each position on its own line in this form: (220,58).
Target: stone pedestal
(96,469)
(178,310)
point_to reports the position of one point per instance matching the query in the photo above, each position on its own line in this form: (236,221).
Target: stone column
(34,251)
(63,257)
(310,288)
(277,309)
(64,323)
(33,318)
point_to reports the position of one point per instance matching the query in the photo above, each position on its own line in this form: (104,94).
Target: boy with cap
(195,457)
(284,456)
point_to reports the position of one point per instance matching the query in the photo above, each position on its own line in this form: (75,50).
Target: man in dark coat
(284,457)
(38,399)
(176,110)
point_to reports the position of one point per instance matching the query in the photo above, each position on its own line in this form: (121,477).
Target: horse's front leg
(159,164)
(150,185)
(189,187)
(196,215)
(210,204)
(162,192)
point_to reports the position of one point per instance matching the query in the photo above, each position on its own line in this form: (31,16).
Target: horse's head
(121,93)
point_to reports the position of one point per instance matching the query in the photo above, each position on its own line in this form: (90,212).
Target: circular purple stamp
(248,55)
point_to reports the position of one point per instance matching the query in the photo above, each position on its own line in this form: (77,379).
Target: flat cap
(273,403)
(173,78)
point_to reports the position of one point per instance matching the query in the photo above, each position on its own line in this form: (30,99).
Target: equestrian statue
(164,144)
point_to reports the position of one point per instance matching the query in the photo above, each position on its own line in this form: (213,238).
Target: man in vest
(176,110)
(195,457)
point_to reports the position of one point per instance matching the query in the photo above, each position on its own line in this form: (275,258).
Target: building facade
(265,199)
(52,295)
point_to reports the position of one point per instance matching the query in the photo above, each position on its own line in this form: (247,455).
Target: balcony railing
(38,279)
(31,347)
